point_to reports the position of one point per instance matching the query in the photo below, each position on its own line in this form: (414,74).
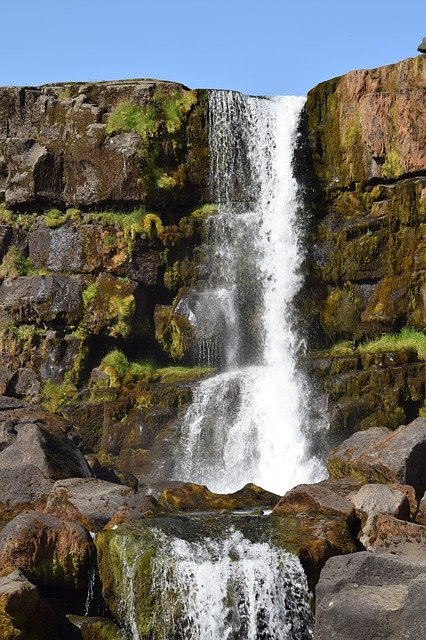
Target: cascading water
(245,424)
(221,586)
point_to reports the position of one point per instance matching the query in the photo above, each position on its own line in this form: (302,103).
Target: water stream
(246,423)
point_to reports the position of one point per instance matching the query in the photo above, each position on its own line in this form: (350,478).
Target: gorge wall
(104,201)
(367,252)
(105,191)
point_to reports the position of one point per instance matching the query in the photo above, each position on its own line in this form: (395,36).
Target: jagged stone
(386,534)
(94,502)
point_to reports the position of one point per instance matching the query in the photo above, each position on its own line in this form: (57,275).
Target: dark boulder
(367,595)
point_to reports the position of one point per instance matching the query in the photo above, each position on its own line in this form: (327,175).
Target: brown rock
(314,498)
(321,524)
(23,612)
(94,502)
(378,455)
(48,551)
(195,497)
(386,534)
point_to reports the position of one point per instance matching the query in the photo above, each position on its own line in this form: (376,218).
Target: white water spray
(245,424)
(227,588)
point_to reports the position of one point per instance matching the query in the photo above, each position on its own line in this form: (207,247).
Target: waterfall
(245,424)
(223,587)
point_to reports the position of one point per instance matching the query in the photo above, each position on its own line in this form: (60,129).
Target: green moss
(116,360)
(405,339)
(56,218)
(136,223)
(89,294)
(15,264)
(205,210)
(130,117)
(55,396)
(392,168)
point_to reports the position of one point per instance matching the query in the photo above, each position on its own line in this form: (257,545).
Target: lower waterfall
(221,586)
(245,424)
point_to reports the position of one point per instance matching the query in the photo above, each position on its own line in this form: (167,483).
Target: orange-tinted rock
(48,551)
(378,455)
(317,498)
(195,497)
(387,534)
(24,614)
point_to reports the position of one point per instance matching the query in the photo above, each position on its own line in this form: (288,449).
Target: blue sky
(258,47)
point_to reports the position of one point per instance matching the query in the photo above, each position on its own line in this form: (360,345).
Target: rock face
(365,145)
(39,166)
(368,596)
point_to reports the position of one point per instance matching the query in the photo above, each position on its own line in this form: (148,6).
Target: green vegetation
(89,294)
(391,168)
(15,264)
(405,339)
(55,396)
(205,210)
(164,108)
(136,223)
(56,218)
(122,371)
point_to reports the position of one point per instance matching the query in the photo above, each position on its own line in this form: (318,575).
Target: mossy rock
(110,306)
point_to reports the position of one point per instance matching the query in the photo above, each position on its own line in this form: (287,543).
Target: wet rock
(26,383)
(195,497)
(24,614)
(319,523)
(50,552)
(95,628)
(94,502)
(378,455)
(368,595)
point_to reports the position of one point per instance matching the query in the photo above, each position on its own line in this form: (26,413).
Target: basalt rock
(50,552)
(94,503)
(95,628)
(24,614)
(368,188)
(368,595)
(36,450)
(378,455)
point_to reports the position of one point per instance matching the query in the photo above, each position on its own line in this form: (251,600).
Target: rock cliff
(366,142)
